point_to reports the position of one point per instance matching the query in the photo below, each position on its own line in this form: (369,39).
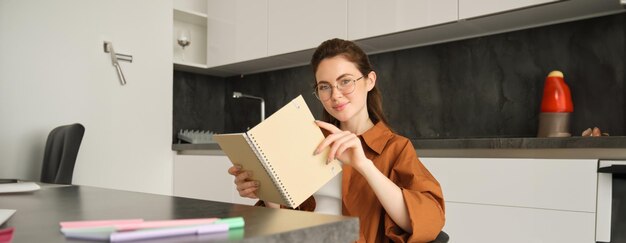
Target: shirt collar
(377,137)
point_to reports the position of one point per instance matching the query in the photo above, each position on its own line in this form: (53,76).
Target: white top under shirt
(328,198)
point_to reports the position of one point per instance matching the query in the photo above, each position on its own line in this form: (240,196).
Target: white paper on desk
(5,214)
(19,187)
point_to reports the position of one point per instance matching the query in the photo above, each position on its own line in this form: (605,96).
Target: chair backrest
(442,237)
(60,154)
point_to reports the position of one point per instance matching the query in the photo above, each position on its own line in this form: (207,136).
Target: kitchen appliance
(556,107)
(611,199)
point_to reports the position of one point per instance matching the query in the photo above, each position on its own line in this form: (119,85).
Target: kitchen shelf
(195,55)
(190,17)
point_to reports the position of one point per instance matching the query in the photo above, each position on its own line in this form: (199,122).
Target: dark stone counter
(523,143)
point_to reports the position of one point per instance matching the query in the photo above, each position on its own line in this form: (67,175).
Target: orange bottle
(556,94)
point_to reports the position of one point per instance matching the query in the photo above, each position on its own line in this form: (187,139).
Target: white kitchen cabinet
(369,18)
(475,8)
(494,224)
(246,36)
(300,25)
(237,31)
(518,200)
(205,177)
(564,184)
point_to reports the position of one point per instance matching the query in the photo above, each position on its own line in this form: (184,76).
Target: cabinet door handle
(613,169)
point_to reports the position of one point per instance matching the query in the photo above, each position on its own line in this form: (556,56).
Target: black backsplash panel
(277,88)
(198,103)
(481,87)
(492,86)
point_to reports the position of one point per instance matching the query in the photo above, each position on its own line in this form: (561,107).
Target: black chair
(60,155)
(442,237)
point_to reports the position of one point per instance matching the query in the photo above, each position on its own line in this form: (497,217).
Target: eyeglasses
(324,90)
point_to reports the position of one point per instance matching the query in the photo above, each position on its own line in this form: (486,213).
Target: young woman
(383,182)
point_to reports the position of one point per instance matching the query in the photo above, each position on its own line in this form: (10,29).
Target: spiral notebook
(279,152)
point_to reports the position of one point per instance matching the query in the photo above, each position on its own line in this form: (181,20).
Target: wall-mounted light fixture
(108,48)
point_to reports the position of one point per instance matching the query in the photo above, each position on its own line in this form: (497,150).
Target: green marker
(233,223)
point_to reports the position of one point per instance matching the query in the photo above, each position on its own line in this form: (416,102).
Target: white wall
(53,71)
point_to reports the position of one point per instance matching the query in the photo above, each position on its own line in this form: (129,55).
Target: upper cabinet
(249,36)
(300,25)
(475,8)
(368,18)
(237,31)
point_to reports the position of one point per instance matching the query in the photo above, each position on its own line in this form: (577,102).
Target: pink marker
(98,223)
(164,223)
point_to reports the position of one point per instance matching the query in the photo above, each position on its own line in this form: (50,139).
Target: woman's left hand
(344,146)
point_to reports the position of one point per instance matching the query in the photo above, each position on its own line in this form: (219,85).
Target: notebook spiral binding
(270,170)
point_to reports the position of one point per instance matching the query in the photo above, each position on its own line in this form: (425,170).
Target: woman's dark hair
(353,53)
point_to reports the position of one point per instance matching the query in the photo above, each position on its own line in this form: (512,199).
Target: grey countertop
(605,142)
(607,147)
(199,149)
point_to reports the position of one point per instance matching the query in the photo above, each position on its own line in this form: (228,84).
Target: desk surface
(39,213)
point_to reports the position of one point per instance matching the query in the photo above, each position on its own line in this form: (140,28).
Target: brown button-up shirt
(395,157)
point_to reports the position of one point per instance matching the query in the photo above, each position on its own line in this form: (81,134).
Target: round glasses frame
(344,86)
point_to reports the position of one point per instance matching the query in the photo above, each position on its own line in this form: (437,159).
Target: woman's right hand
(245,186)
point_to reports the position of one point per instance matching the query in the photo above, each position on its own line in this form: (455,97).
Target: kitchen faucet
(238,95)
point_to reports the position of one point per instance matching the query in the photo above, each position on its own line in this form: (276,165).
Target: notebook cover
(239,152)
(287,140)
